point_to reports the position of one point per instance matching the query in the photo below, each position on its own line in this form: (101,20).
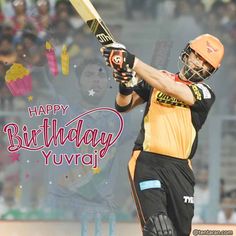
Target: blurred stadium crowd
(25,25)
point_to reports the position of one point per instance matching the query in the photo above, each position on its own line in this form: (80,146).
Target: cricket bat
(90,15)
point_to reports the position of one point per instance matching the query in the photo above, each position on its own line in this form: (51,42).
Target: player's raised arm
(164,82)
(201,58)
(119,59)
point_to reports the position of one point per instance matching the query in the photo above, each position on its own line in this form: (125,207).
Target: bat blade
(90,15)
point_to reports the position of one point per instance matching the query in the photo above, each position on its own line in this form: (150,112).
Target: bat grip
(117,45)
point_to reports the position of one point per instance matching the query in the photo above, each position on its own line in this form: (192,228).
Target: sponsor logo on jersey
(188,199)
(167,100)
(197,92)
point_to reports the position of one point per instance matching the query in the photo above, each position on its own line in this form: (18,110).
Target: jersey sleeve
(143,89)
(204,97)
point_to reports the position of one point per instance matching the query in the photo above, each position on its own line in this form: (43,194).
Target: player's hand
(122,76)
(118,58)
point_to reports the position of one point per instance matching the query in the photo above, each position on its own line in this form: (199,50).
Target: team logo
(210,48)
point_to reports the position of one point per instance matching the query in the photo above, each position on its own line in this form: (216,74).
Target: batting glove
(122,76)
(118,58)
(126,78)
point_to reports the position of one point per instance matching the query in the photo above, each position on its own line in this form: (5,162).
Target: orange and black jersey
(169,126)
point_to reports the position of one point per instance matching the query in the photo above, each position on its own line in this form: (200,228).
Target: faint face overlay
(19,6)
(43,6)
(93,82)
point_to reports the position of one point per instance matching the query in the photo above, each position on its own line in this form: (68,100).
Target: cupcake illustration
(18,80)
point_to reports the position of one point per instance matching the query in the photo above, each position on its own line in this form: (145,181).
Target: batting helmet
(210,48)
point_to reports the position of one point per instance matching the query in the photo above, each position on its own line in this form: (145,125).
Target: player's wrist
(125,90)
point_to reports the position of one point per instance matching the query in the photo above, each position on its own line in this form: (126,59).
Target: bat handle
(117,45)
